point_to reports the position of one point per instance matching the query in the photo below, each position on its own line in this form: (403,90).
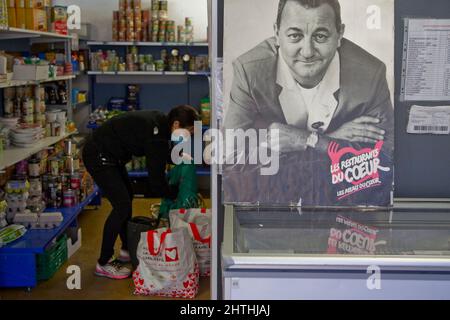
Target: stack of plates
(26,137)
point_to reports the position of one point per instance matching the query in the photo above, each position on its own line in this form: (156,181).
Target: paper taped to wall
(429,120)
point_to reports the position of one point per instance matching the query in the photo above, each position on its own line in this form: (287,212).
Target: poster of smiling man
(308,102)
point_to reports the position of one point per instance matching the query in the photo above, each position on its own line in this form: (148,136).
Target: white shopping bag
(198,223)
(167,264)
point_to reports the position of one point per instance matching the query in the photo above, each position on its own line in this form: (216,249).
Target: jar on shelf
(34,167)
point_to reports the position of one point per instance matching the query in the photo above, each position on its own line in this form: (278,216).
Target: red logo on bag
(172,254)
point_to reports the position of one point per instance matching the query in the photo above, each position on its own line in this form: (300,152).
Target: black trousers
(115,185)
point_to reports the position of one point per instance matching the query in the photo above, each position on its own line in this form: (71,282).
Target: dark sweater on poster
(138,134)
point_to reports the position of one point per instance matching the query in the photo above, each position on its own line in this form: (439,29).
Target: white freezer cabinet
(287,253)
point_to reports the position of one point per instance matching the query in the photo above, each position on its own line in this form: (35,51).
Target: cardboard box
(30,4)
(21,21)
(20,4)
(36,19)
(12,19)
(30,72)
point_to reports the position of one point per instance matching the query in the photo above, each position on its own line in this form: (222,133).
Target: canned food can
(164,5)
(180,65)
(54,167)
(122,5)
(65,181)
(76,164)
(48,130)
(27,118)
(163,15)
(129,4)
(9,93)
(8,106)
(22,168)
(159,65)
(54,190)
(27,106)
(35,185)
(34,168)
(75,181)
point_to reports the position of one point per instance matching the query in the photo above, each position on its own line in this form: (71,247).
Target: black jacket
(138,133)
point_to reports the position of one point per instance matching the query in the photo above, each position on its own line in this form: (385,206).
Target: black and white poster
(308,102)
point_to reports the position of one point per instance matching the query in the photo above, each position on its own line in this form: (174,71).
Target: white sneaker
(124,256)
(113,270)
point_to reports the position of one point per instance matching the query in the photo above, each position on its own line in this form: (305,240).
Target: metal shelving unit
(13,155)
(18,259)
(146,44)
(148,73)
(8,33)
(17,83)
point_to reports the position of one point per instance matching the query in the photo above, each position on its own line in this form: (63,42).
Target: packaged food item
(30,4)
(34,168)
(12,18)
(11,233)
(36,19)
(20,4)
(21,21)
(59,20)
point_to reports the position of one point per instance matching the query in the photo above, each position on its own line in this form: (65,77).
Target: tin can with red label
(75,181)
(69,199)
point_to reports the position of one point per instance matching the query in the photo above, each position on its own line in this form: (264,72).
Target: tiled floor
(92,287)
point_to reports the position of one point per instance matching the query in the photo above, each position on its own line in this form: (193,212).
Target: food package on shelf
(43,221)
(11,233)
(58,20)
(27,219)
(50,220)
(12,18)
(36,19)
(3,208)
(3,13)
(21,21)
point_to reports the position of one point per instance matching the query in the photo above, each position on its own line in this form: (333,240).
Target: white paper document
(426,60)
(429,120)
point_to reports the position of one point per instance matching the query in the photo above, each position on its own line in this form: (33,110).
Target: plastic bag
(167,265)
(198,223)
(185,177)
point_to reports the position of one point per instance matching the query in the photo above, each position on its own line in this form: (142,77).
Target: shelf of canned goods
(146,44)
(18,83)
(168,73)
(13,155)
(7,33)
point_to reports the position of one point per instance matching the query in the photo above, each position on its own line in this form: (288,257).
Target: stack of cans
(188,30)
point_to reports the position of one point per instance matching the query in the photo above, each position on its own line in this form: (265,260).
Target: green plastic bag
(185,176)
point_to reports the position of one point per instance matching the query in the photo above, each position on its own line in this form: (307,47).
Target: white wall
(99,14)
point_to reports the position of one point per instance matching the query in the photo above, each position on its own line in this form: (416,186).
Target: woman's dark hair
(313,4)
(185,114)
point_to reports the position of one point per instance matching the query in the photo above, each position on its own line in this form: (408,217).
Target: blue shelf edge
(36,240)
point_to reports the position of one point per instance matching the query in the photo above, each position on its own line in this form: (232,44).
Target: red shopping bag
(198,223)
(167,265)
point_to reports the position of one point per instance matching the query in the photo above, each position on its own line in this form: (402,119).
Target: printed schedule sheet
(426,60)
